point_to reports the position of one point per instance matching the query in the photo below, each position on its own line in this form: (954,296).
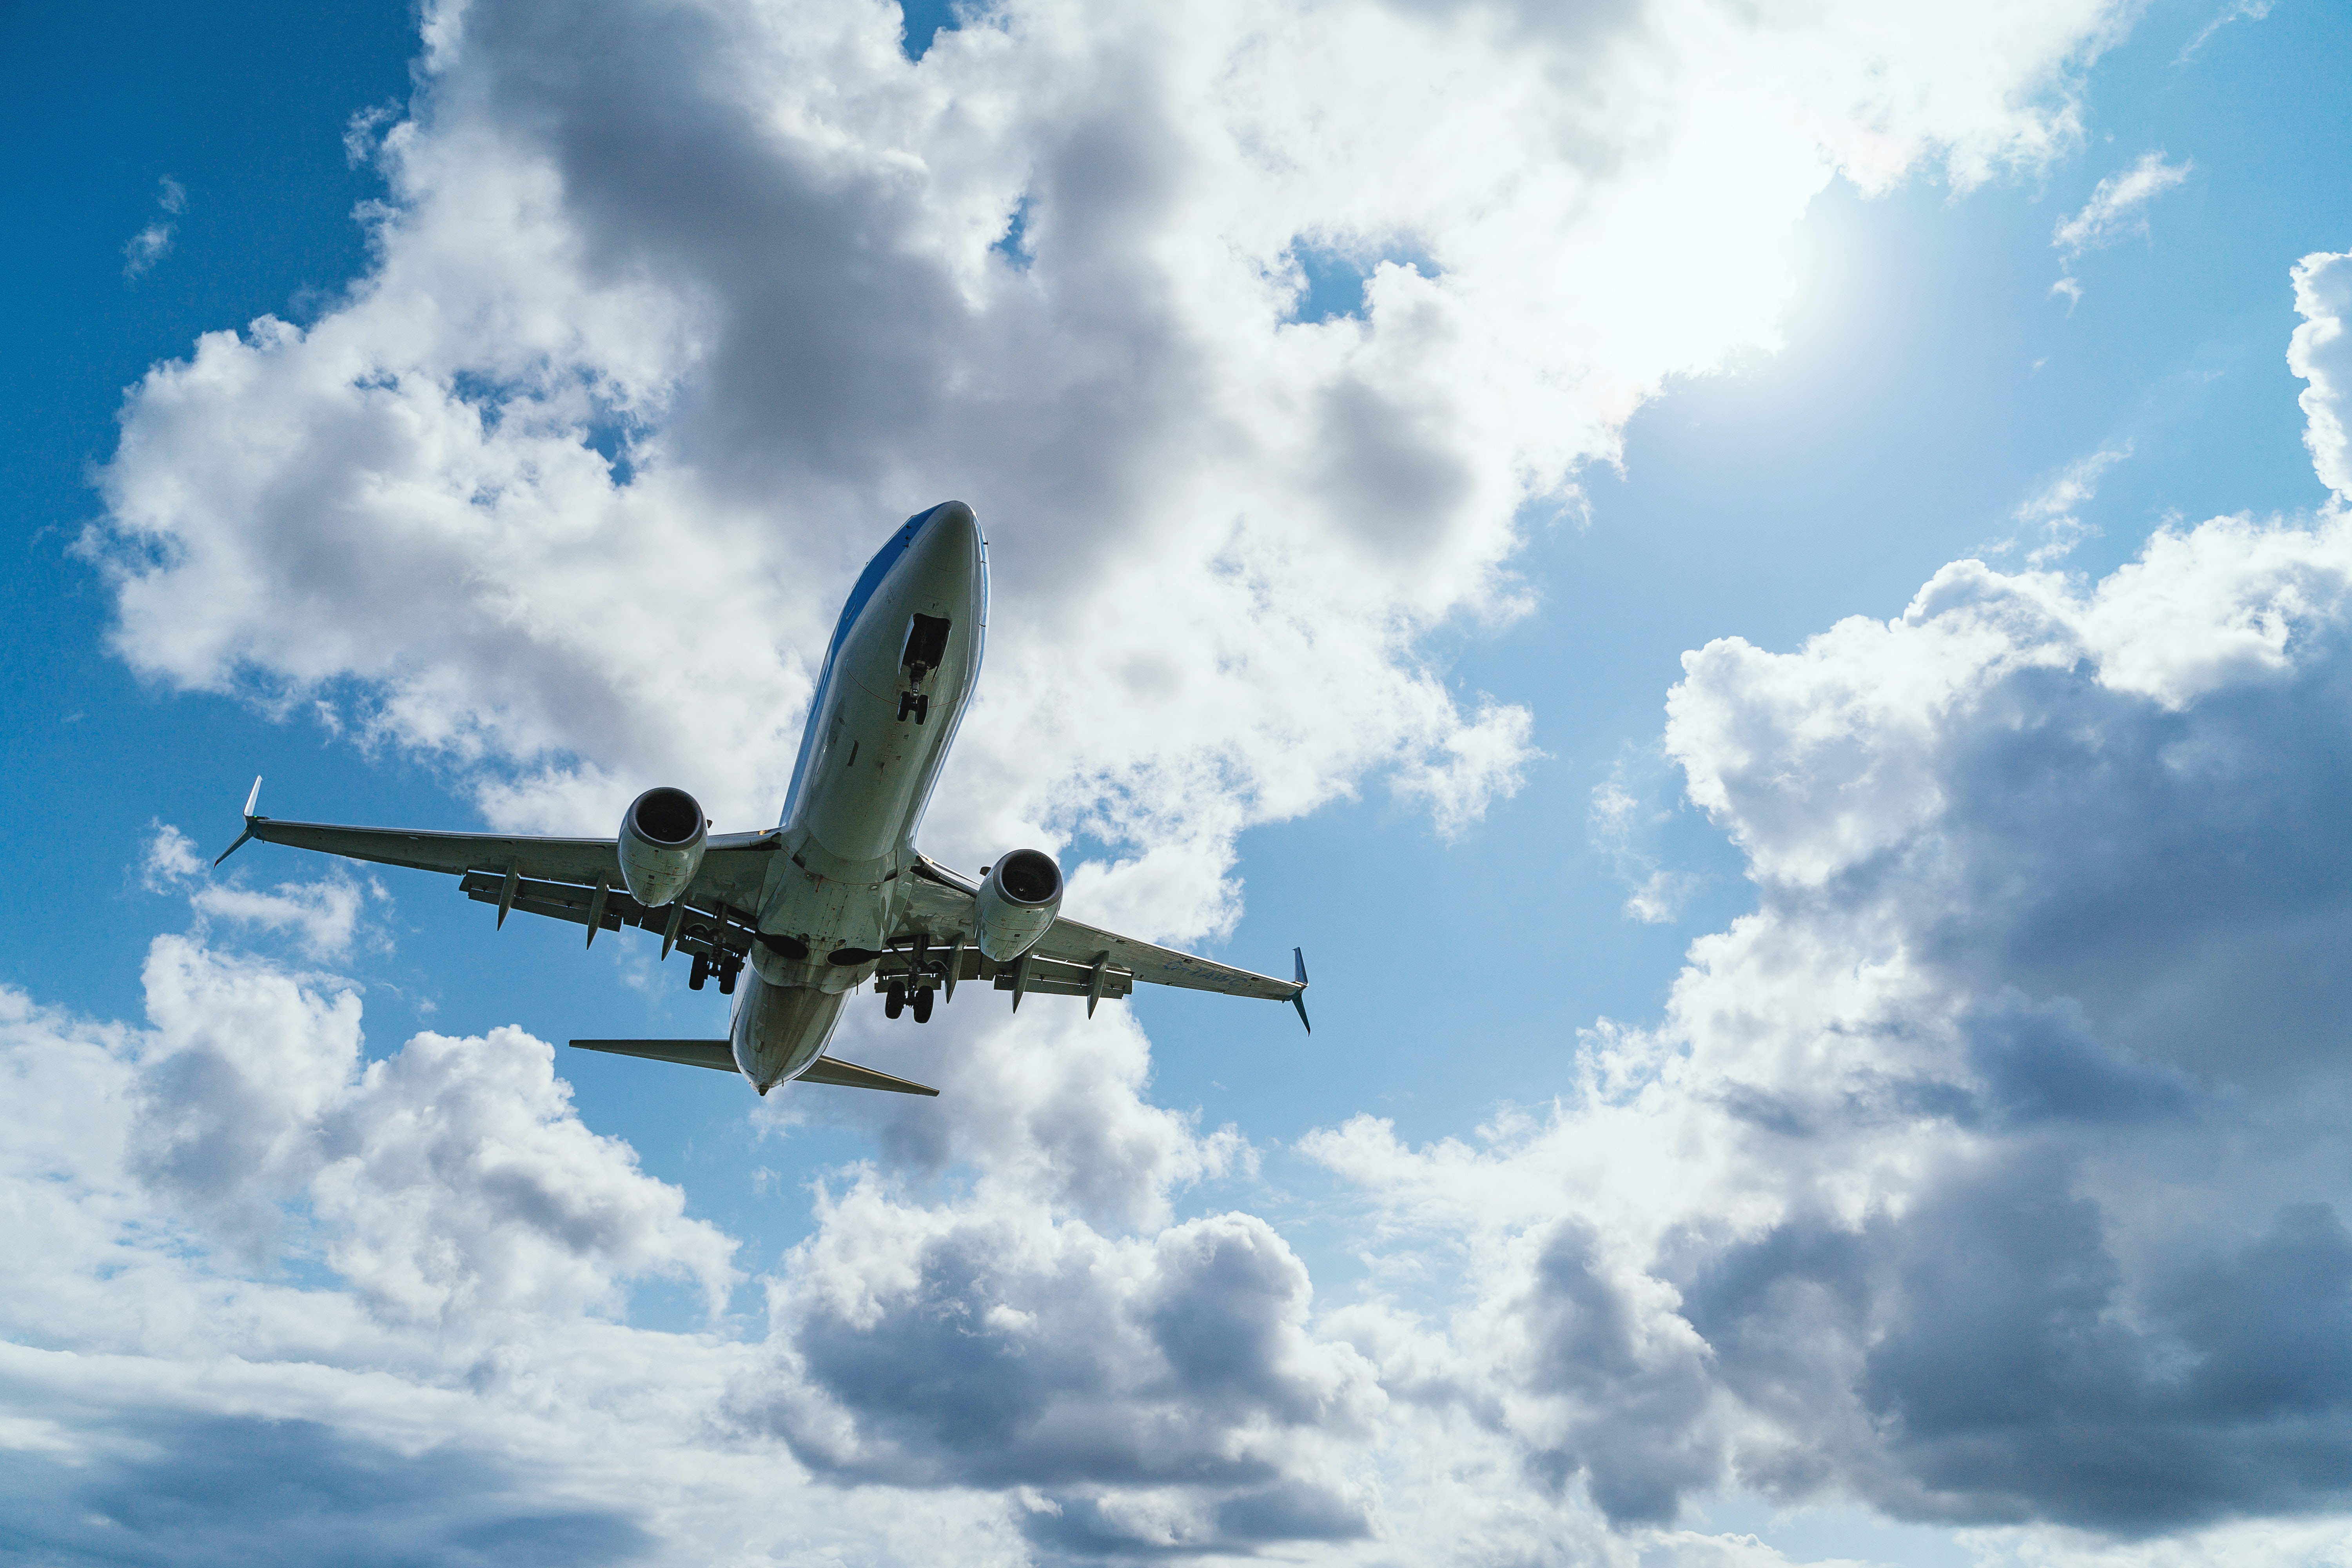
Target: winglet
(1298,997)
(251,800)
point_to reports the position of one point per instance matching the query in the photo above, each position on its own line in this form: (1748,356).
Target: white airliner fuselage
(868,760)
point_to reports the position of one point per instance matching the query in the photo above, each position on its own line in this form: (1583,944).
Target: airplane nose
(944,556)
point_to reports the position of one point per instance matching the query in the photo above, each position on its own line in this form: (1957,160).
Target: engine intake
(661,844)
(1018,899)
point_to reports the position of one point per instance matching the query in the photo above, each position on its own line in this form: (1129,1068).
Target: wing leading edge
(573,879)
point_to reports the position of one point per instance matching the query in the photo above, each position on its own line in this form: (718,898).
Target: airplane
(793,920)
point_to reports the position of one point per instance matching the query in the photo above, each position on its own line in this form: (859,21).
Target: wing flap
(1070,942)
(708,927)
(1047,976)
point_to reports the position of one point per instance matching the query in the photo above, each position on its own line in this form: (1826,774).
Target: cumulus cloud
(1149,1394)
(261,1289)
(2321,353)
(450,1177)
(1935,1186)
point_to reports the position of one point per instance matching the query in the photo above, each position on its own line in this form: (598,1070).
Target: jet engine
(1017,902)
(661,844)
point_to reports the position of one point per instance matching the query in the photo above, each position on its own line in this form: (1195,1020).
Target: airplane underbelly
(778,1030)
(861,807)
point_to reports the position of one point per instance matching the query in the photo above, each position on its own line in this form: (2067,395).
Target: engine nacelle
(661,844)
(1017,902)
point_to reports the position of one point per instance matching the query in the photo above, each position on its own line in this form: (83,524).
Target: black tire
(923,1005)
(700,972)
(893,1000)
(727,979)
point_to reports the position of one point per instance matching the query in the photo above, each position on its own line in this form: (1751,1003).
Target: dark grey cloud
(1639,1439)
(1092,1372)
(2009,1371)
(2183,877)
(180,1490)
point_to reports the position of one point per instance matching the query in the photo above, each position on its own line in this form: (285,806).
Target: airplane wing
(1071,959)
(575,879)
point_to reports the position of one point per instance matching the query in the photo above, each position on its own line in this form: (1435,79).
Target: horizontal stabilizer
(716,1054)
(849,1075)
(720,1054)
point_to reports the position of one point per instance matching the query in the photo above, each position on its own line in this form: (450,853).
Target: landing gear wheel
(922,706)
(894,1001)
(923,1005)
(700,972)
(906,705)
(727,979)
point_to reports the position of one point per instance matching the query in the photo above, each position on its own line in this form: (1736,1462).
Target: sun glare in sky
(1764,591)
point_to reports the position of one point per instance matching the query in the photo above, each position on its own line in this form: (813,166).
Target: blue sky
(1359,487)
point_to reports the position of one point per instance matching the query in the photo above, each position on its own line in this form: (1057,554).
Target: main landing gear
(725,968)
(896,999)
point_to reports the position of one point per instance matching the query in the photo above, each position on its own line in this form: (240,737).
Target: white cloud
(153,243)
(2114,210)
(2321,353)
(2236,11)
(1616,820)
(171,859)
(2054,511)
(321,916)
